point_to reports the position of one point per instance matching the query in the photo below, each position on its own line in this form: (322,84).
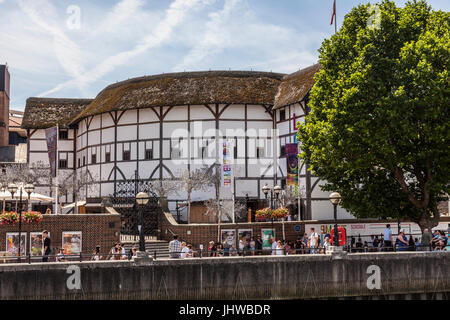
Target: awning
(6,195)
(72,205)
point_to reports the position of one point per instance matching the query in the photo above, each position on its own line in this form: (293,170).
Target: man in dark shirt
(46,250)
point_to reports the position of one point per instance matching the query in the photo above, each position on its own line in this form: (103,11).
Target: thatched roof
(42,113)
(295,86)
(187,88)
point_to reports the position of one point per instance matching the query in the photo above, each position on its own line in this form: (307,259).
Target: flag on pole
(333,15)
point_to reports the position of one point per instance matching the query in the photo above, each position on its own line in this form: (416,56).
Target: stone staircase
(158,248)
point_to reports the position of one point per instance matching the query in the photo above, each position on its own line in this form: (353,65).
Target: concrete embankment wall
(265,277)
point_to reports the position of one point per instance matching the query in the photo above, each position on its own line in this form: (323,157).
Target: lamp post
(141,200)
(335,199)
(266,189)
(3,189)
(12,188)
(29,188)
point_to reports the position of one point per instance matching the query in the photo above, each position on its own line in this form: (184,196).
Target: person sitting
(60,256)
(402,242)
(48,211)
(233,251)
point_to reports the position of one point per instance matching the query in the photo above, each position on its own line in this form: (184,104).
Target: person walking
(313,241)
(426,240)
(387,236)
(174,247)
(259,245)
(274,246)
(252,246)
(411,243)
(46,244)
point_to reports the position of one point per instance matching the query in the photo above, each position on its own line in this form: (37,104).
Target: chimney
(4,106)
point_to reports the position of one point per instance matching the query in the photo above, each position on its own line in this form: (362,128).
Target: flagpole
(56,170)
(335,18)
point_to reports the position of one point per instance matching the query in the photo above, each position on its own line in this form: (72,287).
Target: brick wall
(97,229)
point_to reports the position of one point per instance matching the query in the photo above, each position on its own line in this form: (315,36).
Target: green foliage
(378,130)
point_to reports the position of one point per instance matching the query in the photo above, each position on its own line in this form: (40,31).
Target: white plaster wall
(149,131)
(95,123)
(107,120)
(126,133)
(129,117)
(148,115)
(177,113)
(200,112)
(107,135)
(257,112)
(234,112)
(38,145)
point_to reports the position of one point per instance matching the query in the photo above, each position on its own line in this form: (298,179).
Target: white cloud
(261,44)
(175,14)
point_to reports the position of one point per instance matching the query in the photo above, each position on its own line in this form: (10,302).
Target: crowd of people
(316,243)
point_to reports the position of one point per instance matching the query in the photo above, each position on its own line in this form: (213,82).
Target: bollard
(81,258)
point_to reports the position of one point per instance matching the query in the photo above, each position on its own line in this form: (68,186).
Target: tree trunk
(428,222)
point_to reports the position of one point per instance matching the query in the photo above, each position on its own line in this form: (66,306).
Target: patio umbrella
(6,195)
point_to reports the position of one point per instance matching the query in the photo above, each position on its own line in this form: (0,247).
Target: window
(126,156)
(203,152)
(84,161)
(62,164)
(94,159)
(260,152)
(282,115)
(108,157)
(149,154)
(283,151)
(63,135)
(79,162)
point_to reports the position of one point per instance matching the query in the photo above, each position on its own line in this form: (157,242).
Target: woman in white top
(279,248)
(241,246)
(184,250)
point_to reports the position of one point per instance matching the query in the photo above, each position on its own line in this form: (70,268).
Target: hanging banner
(292,164)
(227,164)
(51,135)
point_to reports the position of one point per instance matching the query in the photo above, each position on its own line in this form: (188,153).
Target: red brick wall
(97,229)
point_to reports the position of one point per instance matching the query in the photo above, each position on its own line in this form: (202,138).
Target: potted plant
(263,214)
(9,218)
(32,217)
(280,213)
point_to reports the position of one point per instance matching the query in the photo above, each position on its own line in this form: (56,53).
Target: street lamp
(266,189)
(335,199)
(12,188)
(29,188)
(141,199)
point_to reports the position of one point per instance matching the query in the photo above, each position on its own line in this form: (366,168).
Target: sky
(74,49)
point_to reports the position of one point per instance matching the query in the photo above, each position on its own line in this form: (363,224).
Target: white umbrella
(6,195)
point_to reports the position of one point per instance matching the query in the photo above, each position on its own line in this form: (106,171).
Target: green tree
(378,128)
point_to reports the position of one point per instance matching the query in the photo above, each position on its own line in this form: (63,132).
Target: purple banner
(292,164)
(51,135)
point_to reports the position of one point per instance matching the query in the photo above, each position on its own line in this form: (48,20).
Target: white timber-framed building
(163,124)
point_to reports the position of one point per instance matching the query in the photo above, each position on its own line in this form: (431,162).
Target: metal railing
(80,257)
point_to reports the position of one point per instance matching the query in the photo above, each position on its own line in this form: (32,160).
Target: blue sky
(73,49)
